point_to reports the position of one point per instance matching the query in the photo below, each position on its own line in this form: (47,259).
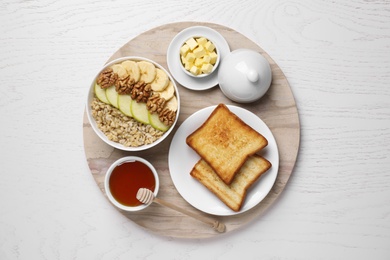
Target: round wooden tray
(277,109)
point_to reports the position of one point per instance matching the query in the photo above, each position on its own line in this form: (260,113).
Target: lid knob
(252,75)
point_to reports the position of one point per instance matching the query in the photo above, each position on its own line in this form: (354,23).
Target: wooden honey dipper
(146,196)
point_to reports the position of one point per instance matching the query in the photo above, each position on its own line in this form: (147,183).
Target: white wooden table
(336,57)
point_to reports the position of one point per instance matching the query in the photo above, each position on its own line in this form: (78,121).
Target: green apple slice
(124,104)
(140,112)
(156,123)
(101,94)
(112,96)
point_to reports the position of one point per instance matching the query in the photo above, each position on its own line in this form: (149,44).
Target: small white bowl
(102,136)
(120,162)
(202,75)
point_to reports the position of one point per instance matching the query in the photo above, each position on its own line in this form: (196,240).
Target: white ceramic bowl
(108,175)
(91,95)
(202,75)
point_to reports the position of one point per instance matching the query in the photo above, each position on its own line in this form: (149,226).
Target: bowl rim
(92,121)
(108,175)
(215,65)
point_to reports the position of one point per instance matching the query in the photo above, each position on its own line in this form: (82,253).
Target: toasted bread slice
(224,141)
(234,195)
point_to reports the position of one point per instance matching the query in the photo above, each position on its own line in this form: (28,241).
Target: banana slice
(161,80)
(172,104)
(120,70)
(147,70)
(132,69)
(168,92)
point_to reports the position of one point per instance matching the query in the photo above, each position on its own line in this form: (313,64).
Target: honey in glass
(127,178)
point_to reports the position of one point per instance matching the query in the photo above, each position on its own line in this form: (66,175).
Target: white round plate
(182,158)
(173,60)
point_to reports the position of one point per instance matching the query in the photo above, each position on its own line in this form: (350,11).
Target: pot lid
(244,75)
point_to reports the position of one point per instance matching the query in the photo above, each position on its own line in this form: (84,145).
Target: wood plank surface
(277,109)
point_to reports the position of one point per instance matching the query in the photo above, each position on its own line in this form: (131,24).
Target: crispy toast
(232,195)
(224,141)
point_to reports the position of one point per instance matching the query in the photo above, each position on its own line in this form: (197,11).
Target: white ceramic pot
(244,75)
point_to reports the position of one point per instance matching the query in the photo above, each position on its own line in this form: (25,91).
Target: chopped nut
(167,116)
(107,78)
(124,85)
(155,103)
(141,91)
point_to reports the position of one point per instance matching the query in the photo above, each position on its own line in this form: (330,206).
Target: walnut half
(155,103)
(124,85)
(167,116)
(107,78)
(141,91)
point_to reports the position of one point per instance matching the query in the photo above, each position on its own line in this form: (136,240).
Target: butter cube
(190,57)
(213,57)
(188,65)
(207,68)
(199,52)
(209,46)
(183,59)
(184,49)
(198,62)
(192,43)
(206,58)
(201,41)
(195,70)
